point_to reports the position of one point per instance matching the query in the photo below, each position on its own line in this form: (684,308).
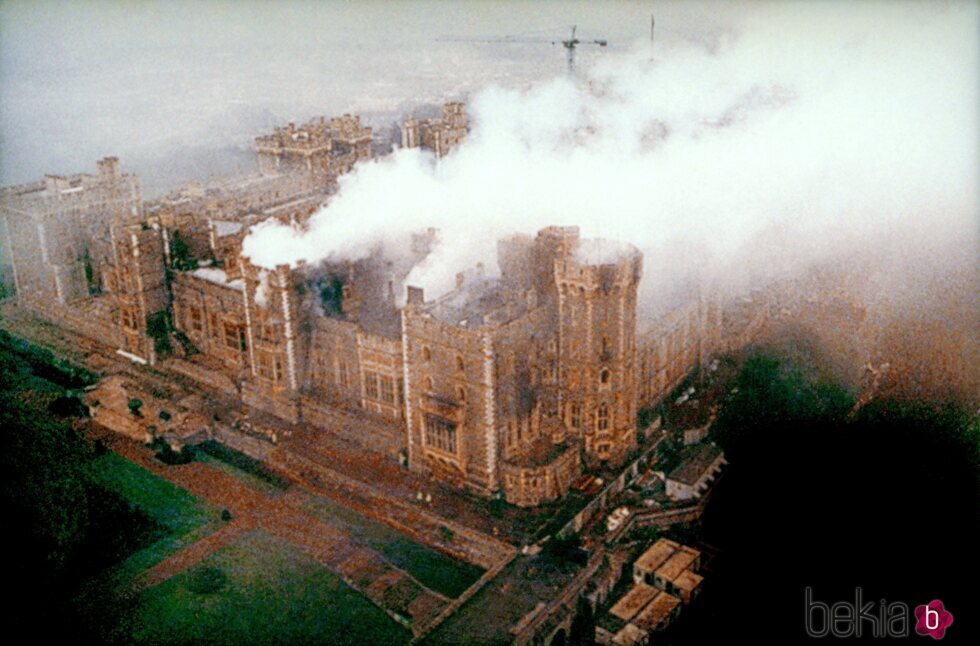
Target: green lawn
(260,590)
(186,517)
(431,568)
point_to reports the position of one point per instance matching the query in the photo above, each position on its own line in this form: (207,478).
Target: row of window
(427,357)
(459,391)
(379,387)
(232,334)
(440,434)
(601,416)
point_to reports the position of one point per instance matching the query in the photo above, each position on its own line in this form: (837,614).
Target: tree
(180,254)
(582,631)
(158,329)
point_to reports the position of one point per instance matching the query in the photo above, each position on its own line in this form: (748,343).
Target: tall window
(129,317)
(270,366)
(602,418)
(371,390)
(426,353)
(234,336)
(459,363)
(195,319)
(387,390)
(343,374)
(440,434)
(604,376)
(575,415)
(460,393)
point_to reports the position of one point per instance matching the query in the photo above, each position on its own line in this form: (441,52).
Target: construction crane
(569,43)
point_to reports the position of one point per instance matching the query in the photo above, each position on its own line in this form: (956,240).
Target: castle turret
(596,283)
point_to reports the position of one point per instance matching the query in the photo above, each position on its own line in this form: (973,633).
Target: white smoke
(806,129)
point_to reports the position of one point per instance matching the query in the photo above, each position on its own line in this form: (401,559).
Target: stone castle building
(320,150)
(439,135)
(509,385)
(57,231)
(512,383)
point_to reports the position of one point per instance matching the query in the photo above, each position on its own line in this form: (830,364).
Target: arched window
(428,383)
(602,418)
(460,393)
(426,353)
(459,363)
(604,376)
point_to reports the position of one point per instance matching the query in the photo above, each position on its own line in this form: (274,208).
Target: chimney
(416,296)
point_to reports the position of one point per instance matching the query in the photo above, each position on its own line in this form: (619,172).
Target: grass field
(185,517)
(259,590)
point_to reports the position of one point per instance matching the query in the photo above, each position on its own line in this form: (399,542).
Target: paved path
(193,553)
(389,587)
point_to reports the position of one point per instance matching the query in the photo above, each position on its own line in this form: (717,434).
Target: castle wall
(138,283)
(212,315)
(450,387)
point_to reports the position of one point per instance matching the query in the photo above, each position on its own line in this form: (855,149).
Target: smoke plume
(800,133)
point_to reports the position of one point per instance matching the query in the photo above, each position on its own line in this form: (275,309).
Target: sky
(750,138)
(178,89)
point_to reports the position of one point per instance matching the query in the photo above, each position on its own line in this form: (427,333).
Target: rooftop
(542,452)
(478,302)
(656,555)
(629,634)
(688,580)
(218,277)
(633,601)
(656,611)
(695,461)
(679,561)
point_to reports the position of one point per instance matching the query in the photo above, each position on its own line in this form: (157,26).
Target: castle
(510,386)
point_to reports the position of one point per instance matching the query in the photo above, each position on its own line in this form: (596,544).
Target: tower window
(459,363)
(575,415)
(602,418)
(371,389)
(604,376)
(461,393)
(426,353)
(428,383)
(387,390)
(343,374)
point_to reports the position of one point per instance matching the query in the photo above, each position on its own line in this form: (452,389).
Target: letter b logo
(817,616)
